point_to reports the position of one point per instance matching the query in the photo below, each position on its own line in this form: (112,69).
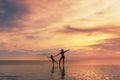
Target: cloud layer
(81,25)
(10,13)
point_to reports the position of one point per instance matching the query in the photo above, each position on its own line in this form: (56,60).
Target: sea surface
(43,70)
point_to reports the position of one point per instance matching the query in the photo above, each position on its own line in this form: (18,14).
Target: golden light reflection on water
(92,72)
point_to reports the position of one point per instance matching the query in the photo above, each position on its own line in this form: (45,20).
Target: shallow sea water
(37,70)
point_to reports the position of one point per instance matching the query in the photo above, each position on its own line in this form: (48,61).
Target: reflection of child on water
(53,60)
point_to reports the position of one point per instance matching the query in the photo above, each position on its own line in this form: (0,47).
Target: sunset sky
(34,29)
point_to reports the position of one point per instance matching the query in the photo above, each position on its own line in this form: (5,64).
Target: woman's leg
(63,61)
(60,61)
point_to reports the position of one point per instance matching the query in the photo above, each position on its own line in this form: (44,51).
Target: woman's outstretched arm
(67,50)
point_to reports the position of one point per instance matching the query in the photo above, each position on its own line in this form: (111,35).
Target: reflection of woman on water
(62,56)
(53,60)
(62,71)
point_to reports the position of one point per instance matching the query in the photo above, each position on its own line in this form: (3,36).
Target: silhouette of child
(53,60)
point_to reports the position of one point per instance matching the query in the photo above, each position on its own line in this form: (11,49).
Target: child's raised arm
(48,57)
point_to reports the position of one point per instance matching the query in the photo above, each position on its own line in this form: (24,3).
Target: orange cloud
(43,24)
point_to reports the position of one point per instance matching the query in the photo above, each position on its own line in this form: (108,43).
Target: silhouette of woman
(62,56)
(53,60)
